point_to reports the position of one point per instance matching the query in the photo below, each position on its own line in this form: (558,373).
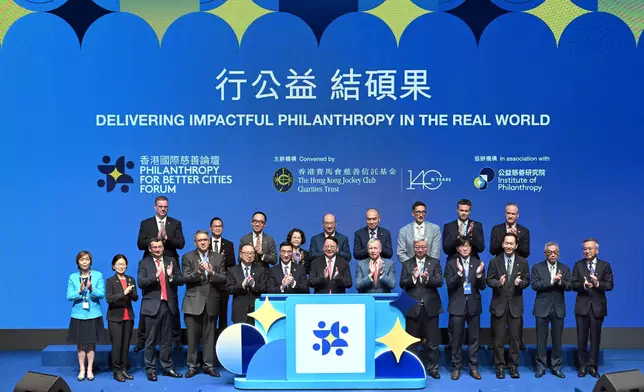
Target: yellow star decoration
(397,339)
(630,11)
(239,14)
(160,14)
(266,315)
(397,14)
(115,174)
(557,14)
(9,13)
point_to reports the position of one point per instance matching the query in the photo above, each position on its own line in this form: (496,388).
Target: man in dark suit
(550,279)
(453,232)
(369,232)
(465,278)
(318,241)
(421,277)
(523,248)
(169,230)
(592,278)
(226,249)
(288,277)
(203,271)
(246,281)
(330,274)
(508,276)
(265,251)
(158,278)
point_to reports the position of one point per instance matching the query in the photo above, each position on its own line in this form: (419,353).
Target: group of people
(211,275)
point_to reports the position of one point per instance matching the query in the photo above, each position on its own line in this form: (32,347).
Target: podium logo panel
(330,338)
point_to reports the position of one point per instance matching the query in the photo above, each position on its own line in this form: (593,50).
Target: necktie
(373,235)
(258,245)
(466,269)
(204,258)
(591,269)
(509,267)
(285,271)
(245,272)
(164,292)
(330,266)
(216,247)
(376,274)
(463,229)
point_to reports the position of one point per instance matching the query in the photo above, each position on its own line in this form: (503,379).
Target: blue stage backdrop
(299,120)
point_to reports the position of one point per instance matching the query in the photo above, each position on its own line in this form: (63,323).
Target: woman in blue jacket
(85,288)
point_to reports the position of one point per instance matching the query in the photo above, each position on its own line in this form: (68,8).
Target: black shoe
(171,373)
(500,373)
(119,377)
(152,377)
(591,370)
(581,373)
(212,372)
(522,346)
(514,372)
(475,374)
(434,374)
(456,374)
(539,374)
(127,375)
(558,373)
(191,373)
(138,348)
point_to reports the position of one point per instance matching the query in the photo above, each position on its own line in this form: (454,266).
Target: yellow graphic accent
(330,338)
(558,14)
(10,12)
(115,174)
(266,315)
(397,339)
(630,11)
(160,14)
(239,14)
(397,14)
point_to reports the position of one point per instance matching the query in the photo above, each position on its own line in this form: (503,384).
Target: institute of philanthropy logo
(283,180)
(486,176)
(115,174)
(330,338)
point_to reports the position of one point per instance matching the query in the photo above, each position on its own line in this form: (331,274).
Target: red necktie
(330,275)
(376,275)
(164,292)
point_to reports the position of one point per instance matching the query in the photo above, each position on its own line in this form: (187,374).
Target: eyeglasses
(287,252)
(420,247)
(257,222)
(330,247)
(248,253)
(120,265)
(552,252)
(420,212)
(203,240)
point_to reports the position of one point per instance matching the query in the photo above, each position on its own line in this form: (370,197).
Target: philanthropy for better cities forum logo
(283,180)
(330,338)
(486,176)
(115,173)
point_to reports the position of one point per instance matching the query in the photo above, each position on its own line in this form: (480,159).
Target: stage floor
(14,364)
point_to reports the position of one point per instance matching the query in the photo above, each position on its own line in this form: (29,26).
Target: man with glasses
(592,278)
(317,242)
(421,277)
(264,245)
(330,273)
(203,270)
(419,228)
(287,277)
(170,232)
(245,282)
(550,279)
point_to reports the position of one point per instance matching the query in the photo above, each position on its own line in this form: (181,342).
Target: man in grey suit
(265,250)
(419,228)
(375,275)
(203,271)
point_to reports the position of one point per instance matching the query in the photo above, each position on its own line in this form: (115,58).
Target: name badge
(86,304)
(467,288)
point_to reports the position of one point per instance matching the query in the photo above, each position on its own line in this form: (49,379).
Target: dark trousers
(588,324)
(175,326)
(493,337)
(426,327)
(120,335)
(222,318)
(458,334)
(200,327)
(501,325)
(158,327)
(542,340)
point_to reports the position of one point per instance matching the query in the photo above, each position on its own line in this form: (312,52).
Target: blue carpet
(16,363)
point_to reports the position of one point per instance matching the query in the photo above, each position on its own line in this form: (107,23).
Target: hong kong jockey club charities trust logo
(330,338)
(115,173)
(283,180)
